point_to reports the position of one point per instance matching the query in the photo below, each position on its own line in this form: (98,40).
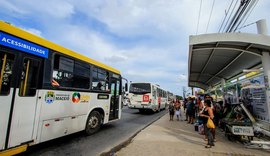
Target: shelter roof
(213,57)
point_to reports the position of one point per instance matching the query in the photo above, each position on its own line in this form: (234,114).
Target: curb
(117,148)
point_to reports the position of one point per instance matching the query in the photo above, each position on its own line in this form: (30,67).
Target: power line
(240,14)
(244,9)
(226,13)
(210,16)
(199,17)
(254,3)
(230,16)
(245,26)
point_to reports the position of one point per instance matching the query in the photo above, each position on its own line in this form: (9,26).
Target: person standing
(178,110)
(171,110)
(185,110)
(206,114)
(200,105)
(213,130)
(191,110)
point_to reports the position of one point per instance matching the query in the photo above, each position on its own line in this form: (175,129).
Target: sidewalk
(165,137)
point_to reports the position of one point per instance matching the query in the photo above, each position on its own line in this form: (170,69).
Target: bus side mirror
(126,87)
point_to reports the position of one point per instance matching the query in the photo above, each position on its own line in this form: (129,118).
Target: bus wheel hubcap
(93,122)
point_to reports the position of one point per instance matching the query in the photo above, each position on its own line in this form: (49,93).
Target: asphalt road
(110,136)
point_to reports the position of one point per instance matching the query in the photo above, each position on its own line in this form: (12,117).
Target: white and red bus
(147,96)
(48,91)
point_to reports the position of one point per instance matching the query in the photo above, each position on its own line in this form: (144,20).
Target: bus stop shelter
(217,58)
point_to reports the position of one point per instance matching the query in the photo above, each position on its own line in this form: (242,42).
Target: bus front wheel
(93,123)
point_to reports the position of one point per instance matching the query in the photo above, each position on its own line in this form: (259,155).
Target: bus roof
(146,83)
(8,28)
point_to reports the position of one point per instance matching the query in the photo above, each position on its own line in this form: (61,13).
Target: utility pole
(184,92)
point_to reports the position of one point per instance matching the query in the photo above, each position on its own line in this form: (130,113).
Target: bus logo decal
(62,97)
(76,97)
(23,45)
(49,97)
(85,98)
(145,98)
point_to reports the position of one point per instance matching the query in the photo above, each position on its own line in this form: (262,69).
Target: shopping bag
(210,123)
(201,129)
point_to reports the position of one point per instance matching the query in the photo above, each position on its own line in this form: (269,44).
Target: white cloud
(50,8)
(57,9)
(183,77)
(146,40)
(33,31)
(139,17)
(7,6)
(115,59)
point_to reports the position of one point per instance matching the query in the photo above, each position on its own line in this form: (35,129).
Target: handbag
(210,123)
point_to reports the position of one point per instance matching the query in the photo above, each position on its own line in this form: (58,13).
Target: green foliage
(179,97)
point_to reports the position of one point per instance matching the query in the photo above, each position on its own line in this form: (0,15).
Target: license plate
(242,130)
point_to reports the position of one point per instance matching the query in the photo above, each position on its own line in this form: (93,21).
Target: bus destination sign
(22,45)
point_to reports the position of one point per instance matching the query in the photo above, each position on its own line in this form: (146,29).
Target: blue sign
(22,45)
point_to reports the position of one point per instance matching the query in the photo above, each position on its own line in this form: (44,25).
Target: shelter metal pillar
(236,87)
(223,90)
(262,29)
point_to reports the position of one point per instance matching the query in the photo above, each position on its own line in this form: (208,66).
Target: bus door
(6,74)
(115,94)
(22,104)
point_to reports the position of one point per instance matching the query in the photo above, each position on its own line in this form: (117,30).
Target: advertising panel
(254,98)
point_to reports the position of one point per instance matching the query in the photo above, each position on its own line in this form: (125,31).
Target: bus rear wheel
(93,123)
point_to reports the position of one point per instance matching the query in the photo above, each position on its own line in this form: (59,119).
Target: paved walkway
(177,138)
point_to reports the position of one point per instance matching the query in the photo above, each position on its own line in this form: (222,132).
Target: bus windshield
(140,88)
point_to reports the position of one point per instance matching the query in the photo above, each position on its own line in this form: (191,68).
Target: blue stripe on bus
(22,45)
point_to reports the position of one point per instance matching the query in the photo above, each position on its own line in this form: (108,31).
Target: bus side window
(6,66)
(154,92)
(70,73)
(81,75)
(62,71)
(100,79)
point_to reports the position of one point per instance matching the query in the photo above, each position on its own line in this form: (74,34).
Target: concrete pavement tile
(166,137)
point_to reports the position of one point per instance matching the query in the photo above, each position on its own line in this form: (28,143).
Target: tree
(179,97)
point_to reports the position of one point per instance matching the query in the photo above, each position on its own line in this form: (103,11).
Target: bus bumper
(140,106)
(13,151)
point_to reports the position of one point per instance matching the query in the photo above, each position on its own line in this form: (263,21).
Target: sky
(147,40)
